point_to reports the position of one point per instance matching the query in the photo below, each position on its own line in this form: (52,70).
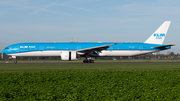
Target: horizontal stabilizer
(158,47)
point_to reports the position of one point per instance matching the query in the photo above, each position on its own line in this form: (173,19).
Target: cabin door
(141,48)
(17,49)
(41,48)
(78,47)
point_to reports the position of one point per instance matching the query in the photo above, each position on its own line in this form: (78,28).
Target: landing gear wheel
(88,61)
(15,61)
(85,61)
(91,61)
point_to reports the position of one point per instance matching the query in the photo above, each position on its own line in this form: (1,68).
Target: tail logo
(159,35)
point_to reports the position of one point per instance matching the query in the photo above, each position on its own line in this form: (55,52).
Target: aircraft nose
(4,51)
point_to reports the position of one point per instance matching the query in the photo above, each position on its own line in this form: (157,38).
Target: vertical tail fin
(159,35)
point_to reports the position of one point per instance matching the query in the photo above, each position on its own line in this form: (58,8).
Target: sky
(87,20)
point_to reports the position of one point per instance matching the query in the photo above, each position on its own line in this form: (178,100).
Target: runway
(97,63)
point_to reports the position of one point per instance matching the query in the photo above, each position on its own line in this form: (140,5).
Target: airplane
(73,50)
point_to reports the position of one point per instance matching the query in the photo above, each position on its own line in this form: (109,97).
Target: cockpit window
(7,48)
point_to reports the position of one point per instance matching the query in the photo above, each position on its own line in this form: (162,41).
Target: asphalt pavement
(101,63)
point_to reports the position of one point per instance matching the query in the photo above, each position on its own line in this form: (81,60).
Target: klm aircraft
(73,50)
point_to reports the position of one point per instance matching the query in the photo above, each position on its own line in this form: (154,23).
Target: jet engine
(68,55)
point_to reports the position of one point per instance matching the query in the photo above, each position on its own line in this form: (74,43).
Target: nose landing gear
(15,61)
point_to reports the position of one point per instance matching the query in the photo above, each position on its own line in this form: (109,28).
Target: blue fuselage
(30,47)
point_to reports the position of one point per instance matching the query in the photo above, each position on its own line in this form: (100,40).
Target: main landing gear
(88,61)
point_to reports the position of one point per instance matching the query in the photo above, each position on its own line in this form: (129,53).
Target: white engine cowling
(68,55)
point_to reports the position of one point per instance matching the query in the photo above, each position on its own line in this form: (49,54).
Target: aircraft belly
(37,53)
(58,53)
(123,53)
(46,53)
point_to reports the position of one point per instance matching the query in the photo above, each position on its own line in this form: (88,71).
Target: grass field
(57,67)
(89,82)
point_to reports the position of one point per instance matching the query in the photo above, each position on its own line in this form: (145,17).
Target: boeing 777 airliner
(72,51)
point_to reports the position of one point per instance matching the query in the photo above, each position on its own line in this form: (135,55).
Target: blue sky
(87,20)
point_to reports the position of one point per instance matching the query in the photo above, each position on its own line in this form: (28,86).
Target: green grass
(103,85)
(89,82)
(55,67)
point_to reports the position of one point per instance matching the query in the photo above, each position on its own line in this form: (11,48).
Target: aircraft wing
(158,47)
(93,49)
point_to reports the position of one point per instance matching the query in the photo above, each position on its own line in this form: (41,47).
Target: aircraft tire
(88,61)
(15,61)
(91,61)
(85,61)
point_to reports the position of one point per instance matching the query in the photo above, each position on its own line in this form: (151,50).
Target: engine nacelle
(68,55)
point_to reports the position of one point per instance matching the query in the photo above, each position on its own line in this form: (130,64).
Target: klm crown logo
(159,35)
